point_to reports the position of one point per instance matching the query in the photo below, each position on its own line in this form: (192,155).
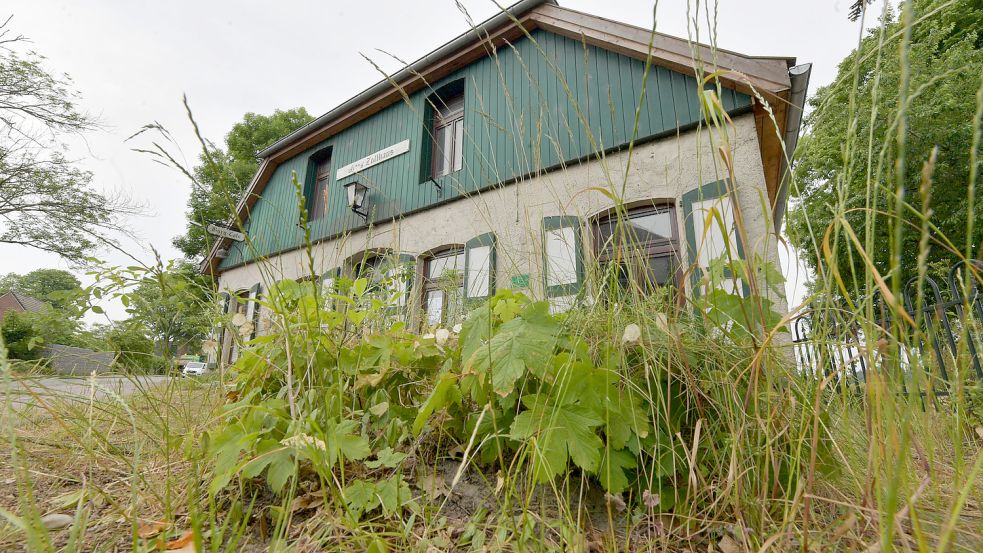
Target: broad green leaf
(264,457)
(226,449)
(475,330)
(386,458)
(556,433)
(359,286)
(361,497)
(613,469)
(517,345)
(344,443)
(281,469)
(393,494)
(377,545)
(443,394)
(507,309)
(619,409)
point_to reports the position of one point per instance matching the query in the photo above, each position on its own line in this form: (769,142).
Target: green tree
(55,286)
(134,349)
(46,201)
(20,335)
(834,166)
(25,333)
(223,174)
(173,307)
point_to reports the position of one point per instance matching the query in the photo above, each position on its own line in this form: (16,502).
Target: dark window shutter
(226,300)
(407,263)
(328,282)
(253,307)
(479,267)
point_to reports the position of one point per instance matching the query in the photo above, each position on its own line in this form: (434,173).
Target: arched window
(641,246)
(389,275)
(443,287)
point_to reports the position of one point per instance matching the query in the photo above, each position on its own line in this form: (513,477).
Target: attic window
(322,175)
(448,133)
(318,179)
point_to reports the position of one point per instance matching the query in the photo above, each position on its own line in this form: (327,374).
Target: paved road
(79,387)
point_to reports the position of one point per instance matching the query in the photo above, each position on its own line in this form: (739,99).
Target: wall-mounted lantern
(356,198)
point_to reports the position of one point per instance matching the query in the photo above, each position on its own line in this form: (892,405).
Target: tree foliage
(223,174)
(845,149)
(133,348)
(25,333)
(46,201)
(173,307)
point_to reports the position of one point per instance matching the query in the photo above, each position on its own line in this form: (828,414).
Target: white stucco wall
(663,169)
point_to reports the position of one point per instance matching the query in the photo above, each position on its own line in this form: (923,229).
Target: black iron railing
(945,340)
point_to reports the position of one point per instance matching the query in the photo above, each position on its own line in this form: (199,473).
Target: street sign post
(225,232)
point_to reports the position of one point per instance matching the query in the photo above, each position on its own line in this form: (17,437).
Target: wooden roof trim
(253,192)
(768,75)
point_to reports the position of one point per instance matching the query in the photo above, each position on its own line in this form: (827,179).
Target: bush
(134,350)
(618,404)
(21,336)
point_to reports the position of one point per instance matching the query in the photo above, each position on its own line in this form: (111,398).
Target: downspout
(799,79)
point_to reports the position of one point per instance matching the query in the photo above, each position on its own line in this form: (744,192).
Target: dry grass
(124,464)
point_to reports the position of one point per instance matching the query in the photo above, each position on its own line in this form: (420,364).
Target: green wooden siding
(519,119)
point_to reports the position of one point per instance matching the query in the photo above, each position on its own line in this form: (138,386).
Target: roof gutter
(505,17)
(799,80)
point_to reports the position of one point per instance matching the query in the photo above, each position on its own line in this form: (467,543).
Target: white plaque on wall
(374,159)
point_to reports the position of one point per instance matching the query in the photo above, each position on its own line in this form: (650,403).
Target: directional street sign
(225,232)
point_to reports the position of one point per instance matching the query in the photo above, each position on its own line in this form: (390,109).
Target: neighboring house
(19,301)
(477,167)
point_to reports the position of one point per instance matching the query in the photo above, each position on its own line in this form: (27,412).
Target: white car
(195,368)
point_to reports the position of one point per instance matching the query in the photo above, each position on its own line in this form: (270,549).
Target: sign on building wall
(225,232)
(374,159)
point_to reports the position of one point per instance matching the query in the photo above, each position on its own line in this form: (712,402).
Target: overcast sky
(132,60)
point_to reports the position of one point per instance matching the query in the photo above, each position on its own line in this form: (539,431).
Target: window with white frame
(443,288)
(448,133)
(716,235)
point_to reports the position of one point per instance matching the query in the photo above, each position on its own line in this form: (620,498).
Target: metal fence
(946,341)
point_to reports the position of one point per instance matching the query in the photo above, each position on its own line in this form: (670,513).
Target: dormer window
(318,179)
(448,133)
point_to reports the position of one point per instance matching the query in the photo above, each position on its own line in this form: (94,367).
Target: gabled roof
(765,78)
(27,303)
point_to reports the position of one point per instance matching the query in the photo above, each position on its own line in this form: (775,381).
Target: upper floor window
(642,247)
(319,192)
(448,133)
(443,288)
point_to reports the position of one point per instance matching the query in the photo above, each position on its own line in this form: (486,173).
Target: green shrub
(518,389)
(21,336)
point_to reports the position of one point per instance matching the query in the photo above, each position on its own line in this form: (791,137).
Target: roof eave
(504,18)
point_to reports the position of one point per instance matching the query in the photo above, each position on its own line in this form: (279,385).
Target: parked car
(195,368)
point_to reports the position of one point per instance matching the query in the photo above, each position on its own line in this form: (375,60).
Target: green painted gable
(520,117)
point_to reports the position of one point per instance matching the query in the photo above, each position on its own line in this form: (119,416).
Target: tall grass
(745,444)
